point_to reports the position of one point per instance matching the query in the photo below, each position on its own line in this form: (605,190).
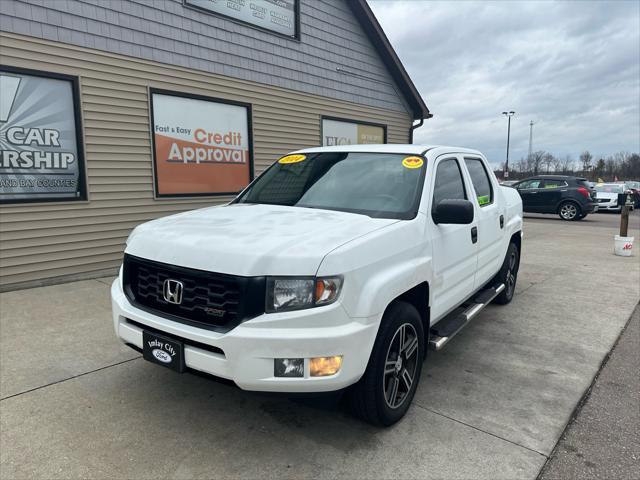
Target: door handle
(501,221)
(474,234)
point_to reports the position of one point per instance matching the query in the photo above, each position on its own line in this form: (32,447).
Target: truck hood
(250,239)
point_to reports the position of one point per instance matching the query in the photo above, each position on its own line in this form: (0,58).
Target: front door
(550,194)
(454,250)
(529,190)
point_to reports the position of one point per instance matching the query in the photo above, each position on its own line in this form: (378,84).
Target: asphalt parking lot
(76,403)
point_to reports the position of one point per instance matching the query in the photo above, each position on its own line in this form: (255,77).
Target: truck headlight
(292,293)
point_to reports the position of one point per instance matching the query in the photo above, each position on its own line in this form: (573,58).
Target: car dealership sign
(201,145)
(41,153)
(279,16)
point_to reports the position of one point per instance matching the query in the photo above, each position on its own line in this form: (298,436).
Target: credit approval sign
(201,145)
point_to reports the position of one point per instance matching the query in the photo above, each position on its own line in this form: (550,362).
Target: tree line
(619,166)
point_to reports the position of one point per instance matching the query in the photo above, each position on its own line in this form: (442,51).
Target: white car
(335,269)
(607,196)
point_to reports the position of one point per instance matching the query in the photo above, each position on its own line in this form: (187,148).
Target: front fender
(378,268)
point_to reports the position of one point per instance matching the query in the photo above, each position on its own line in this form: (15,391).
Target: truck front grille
(209,300)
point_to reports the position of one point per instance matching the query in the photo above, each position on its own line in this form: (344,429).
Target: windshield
(610,188)
(379,185)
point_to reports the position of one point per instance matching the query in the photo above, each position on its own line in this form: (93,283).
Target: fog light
(323,366)
(288,367)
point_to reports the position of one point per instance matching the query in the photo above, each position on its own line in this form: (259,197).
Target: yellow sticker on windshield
(292,159)
(412,162)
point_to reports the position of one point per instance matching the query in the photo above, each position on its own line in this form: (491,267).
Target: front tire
(384,393)
(569,211)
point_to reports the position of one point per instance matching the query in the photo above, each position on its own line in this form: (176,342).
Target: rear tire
(384,393)
(569,211)
(508,275)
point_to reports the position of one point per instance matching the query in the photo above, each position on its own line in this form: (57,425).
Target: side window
(554,183)
(480,180)
(530,184)
(449,184)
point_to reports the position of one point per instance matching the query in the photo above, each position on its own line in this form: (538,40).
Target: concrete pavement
(75,403)
(603,440)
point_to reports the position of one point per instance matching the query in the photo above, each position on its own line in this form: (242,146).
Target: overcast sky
(571,67)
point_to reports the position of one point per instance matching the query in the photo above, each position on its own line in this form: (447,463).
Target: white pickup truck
(337,268)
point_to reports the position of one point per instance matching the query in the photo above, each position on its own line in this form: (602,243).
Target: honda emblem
(172,291)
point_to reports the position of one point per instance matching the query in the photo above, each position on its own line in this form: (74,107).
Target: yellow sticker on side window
(483,200)
(292,159)
(412,162)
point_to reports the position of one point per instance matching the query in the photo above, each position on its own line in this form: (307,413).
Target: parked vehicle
(607,196)
(335,269)
(572,198)
(634,189)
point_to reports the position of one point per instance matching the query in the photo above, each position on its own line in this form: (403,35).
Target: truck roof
(389,148)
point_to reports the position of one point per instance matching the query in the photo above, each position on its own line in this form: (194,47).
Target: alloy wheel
(568,211)
(400,365)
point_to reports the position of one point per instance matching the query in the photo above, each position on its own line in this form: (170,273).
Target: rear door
(490,229)
(551,193)
(529,190)
(454,250)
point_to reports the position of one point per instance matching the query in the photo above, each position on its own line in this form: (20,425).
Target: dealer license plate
(163,351)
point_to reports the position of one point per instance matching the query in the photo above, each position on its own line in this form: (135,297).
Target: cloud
(571,67)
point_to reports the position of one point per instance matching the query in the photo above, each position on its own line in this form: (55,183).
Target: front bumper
(611,206)
(590,207)
(248,350)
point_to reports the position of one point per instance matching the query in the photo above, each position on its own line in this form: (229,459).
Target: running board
(448,327)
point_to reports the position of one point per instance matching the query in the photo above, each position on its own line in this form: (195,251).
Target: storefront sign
(340,132)
(202,146)
(279,16)
(41,153)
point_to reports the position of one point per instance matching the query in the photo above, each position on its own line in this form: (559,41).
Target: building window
(338,131)
(201,146)
(276,16)
(42,156)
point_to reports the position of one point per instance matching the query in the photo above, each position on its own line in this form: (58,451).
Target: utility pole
(506,164)
(531,124)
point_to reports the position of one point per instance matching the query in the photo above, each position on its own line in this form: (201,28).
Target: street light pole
(506,164)
(531,124)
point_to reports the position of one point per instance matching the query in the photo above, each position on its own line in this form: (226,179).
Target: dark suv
(570,197)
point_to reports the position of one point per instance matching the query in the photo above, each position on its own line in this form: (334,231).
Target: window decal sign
(40,138)
(280,16)
(412,162)
(202,146)
(292,159)
(483,200)
(344,132)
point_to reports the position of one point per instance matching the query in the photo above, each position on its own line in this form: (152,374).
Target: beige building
(115,113)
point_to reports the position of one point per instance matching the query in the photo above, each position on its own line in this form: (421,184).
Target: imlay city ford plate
(163,351)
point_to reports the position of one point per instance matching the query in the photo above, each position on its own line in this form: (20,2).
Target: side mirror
(458,212)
